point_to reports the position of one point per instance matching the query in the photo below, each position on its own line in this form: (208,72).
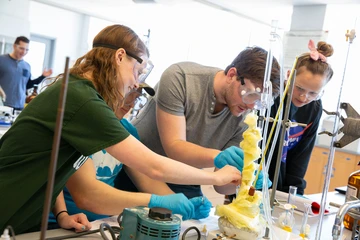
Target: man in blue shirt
(15,74)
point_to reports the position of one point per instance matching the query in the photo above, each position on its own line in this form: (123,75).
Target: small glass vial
(286,219)
(292,195)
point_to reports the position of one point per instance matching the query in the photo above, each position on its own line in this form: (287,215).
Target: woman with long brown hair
(98,82)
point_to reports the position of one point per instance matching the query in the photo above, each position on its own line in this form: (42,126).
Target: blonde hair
(100,62)
(317,66)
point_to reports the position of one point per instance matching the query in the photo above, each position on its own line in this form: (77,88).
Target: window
(40,55)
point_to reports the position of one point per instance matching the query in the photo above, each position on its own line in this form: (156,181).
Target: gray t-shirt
(187,89)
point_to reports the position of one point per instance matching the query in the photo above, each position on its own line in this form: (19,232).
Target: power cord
(103,227)
(119,219)
(191,228)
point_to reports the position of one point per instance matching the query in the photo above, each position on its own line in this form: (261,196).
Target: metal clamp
(351,128)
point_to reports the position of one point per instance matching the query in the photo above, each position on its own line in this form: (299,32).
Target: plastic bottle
(5,235)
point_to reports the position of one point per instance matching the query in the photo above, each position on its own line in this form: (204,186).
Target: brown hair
(251,63)
(101,63)
(317,66)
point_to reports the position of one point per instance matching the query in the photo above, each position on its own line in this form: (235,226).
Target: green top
(89,125)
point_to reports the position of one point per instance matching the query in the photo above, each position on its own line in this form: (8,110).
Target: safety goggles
(136,98)
(249,93)
(140,102)
(146,70)
(309,95)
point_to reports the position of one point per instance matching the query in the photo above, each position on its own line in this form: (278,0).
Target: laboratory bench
(326,229)
(210,224)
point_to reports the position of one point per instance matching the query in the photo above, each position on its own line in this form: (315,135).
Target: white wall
(64,26)
(340,18)
(182,33)
(14,18)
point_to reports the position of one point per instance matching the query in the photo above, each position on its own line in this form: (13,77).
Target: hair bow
(314,54)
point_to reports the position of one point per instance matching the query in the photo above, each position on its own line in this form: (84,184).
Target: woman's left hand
(77,221)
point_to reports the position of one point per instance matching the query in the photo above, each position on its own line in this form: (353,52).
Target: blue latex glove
(202,207)
(233,156)
(177,203)
(259,182)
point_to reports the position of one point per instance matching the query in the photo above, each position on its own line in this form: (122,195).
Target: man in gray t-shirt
(196,115)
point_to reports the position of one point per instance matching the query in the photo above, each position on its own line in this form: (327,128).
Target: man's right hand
(233,156)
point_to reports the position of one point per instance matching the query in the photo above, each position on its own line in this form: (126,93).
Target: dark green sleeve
(93,127)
